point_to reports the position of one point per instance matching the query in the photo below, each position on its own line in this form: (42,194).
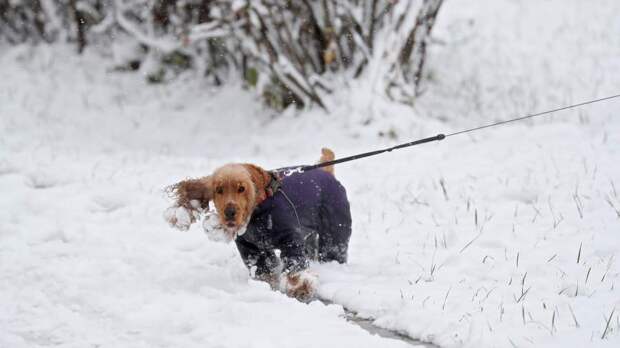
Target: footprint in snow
(6,168)
(43,180)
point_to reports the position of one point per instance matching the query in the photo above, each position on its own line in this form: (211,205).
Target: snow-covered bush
(310,46)
(291,51)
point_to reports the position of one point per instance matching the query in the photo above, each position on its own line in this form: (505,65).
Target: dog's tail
(327,155)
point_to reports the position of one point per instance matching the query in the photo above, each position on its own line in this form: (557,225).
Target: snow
(504,237)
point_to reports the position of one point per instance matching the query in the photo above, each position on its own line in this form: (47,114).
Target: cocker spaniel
(278,222)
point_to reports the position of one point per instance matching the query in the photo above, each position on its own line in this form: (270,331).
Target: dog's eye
(241,189)
(219,190)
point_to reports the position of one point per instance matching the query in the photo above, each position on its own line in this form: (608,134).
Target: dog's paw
(300,285)
(214,229)
(180,217)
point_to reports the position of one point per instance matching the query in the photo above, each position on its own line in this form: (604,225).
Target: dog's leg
(335,222)
(272,279)
(327,155)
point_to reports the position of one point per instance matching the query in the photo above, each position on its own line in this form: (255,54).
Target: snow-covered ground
(505,237)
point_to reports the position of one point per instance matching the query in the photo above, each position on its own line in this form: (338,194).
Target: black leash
(304,168)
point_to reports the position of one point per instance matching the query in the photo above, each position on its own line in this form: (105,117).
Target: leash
(286,171)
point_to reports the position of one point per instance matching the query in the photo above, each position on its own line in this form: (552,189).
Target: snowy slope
(507,237)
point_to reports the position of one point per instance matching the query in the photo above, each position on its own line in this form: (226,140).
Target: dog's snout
(230,212)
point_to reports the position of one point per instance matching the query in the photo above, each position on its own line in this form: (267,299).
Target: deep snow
(508,237)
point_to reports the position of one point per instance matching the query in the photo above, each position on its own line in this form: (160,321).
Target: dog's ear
(197,190)
(261,179)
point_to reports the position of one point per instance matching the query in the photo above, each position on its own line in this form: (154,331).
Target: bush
(292,52)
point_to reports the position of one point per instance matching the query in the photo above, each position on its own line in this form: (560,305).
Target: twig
(574,317)
(523,295)
(607,325)
(578,205)
(470,242)
(443,307)
(611,204)
(517,262)
(442,182)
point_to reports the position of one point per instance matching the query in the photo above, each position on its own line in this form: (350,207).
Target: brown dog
(238,190)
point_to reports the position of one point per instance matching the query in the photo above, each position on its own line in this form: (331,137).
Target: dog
(304,215)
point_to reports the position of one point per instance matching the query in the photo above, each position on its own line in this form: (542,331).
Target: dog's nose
(230,213)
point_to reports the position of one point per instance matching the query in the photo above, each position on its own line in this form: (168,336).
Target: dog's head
(235,189)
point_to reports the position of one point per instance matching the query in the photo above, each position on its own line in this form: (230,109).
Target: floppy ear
(260,178)
(191,197)
(198,190)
